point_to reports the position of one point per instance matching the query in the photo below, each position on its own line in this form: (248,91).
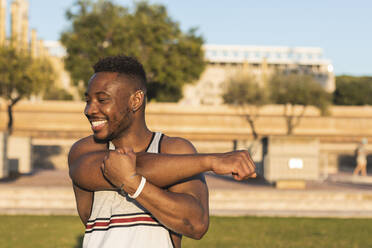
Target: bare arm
(85,160)
(183,208)
(83,203)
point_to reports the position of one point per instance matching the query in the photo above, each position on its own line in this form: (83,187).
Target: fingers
(118,165)
(120,150)
(246,168)
(248,158)
(103,165)
(107,155)
(127,150)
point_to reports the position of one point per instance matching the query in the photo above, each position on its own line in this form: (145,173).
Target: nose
(90,109)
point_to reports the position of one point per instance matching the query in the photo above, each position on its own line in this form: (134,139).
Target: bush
(353,90)
(57,94)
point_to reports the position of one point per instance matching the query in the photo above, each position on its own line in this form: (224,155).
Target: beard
(118,130)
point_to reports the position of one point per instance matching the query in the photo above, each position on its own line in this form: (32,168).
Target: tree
(298,90)
(244,92)
(352,90)
(20,77)
(170,57)
(55,93)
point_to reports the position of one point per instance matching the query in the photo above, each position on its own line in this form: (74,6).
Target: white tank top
(119,221)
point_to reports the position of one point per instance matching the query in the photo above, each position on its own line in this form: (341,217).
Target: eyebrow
(96,93)
(101,92)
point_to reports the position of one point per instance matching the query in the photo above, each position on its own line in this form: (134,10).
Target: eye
(103,100)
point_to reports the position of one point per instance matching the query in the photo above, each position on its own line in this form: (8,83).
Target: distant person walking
(361,158)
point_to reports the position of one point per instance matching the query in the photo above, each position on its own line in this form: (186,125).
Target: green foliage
(353,90)
(245,90)
(297,89)
(54,93)
(170,57)
(21,76)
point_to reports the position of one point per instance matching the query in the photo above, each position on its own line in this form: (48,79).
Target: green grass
(226,232)
(257,232)
(40,231)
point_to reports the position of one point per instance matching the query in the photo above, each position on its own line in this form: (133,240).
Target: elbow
(200,228)
(200,231)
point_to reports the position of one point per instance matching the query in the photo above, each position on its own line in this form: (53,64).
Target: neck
(137,137)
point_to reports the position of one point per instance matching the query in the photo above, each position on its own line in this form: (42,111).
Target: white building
(223,61)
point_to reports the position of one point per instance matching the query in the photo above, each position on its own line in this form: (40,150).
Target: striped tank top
(119,221)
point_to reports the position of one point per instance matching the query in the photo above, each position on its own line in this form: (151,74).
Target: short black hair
(123,64)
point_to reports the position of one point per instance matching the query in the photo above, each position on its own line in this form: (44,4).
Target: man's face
(107,106)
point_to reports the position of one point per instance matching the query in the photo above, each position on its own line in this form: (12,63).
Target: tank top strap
(153,147)
(111,146)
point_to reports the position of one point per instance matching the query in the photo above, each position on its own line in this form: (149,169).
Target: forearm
(180,212)
(167,169)
(160,169)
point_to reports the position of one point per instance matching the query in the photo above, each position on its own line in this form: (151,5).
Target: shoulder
(84,146)
(176,145)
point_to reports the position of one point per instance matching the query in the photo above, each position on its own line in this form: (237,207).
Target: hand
(119,167)
(237,163)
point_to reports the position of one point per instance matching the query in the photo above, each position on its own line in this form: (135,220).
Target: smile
(96,125)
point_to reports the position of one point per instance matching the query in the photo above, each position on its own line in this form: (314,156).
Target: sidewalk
(341,195)
(349,178)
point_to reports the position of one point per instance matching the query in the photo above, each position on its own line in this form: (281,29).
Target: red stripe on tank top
(119,221)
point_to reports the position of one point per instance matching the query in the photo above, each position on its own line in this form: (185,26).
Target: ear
(137,100)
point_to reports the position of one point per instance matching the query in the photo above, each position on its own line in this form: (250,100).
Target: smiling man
(134,187)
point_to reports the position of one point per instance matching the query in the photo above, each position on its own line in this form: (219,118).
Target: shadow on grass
(79,241)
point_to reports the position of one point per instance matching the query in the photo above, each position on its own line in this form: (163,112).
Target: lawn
(255,232)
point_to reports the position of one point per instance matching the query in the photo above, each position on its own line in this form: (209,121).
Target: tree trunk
(293,120)
(253,128)
(10,114)
(289,125)
(288,117)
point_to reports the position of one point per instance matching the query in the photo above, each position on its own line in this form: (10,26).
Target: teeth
(98,123)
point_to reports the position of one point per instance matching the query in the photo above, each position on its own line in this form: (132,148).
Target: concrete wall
(54,126)
(4,167)
(291,158)
(20,154)
(65,119)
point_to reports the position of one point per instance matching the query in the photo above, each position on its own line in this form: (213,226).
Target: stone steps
(292,203)
(60,200)
(19,198)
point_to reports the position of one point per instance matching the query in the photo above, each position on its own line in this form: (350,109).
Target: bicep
(194,186)
(85,168)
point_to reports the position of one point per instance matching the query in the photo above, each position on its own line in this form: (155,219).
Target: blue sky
(341,28)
